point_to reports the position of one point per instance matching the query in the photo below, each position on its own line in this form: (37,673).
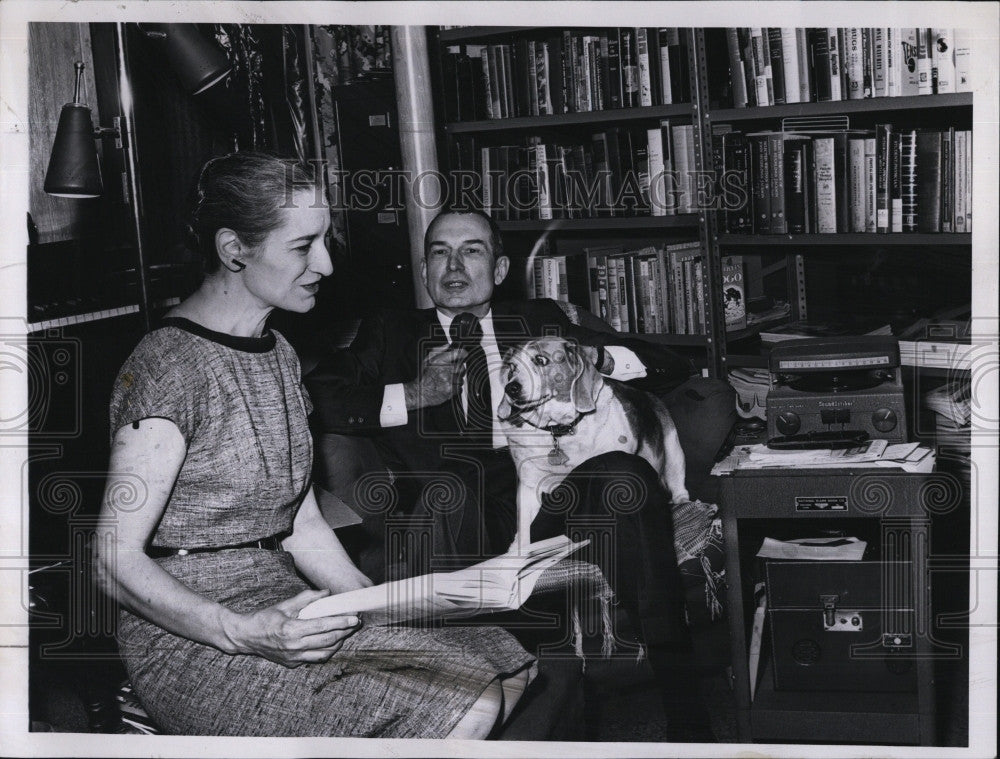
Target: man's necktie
(467,332)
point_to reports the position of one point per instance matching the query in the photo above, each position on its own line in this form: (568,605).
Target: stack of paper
(813,549)
(910,457)
(951,400)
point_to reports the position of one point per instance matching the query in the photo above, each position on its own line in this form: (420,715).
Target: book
(856,169)
(925,84)
(855,64)
(759,64)
(883,177)
(963,60)
(737,78)
(796,180)
(616,288)
(928,180)
(942,44)
(664,37)
(907,63)
(820,54)
(654,148)
(895,184)
(870,185)
(805,78)
(867,62)
(825,180)
(908,179)
(734,293)
(782,57)
(879,80)
(836,63)
(629,67)
(501,583)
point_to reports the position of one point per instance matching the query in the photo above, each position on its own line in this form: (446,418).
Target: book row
(568,71)
(771,66)
(650,290)
(882,180)
(621,171)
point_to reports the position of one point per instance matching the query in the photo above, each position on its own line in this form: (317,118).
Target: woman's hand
(277,634)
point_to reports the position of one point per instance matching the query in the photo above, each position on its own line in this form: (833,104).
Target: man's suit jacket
(347,386)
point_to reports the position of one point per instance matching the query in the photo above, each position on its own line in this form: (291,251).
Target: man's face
(459,269)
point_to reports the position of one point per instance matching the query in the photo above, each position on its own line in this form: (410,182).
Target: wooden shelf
(862,239)
(680,221)
(469,33)
(607,116)
(867,105)
(667,339)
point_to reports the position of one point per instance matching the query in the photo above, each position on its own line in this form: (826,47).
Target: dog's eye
(541,360)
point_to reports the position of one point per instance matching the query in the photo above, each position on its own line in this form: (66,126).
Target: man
(412,382)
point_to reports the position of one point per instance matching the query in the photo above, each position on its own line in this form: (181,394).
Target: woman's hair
(245,192)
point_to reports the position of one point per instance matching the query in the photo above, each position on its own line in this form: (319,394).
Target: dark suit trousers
(616,500)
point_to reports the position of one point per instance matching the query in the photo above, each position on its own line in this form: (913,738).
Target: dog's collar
(561,430)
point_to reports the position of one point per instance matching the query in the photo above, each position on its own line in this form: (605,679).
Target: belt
(270,543)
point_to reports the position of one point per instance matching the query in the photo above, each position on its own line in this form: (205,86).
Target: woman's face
(284,271)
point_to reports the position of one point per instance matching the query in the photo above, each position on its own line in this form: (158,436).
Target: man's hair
(496,242)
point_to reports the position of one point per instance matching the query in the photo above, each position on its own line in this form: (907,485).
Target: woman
(208,514)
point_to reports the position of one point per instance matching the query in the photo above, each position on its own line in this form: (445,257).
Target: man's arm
(347,386)
(661,368)
(373,384)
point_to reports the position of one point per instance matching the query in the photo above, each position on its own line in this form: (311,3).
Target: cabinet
(820,276)
(883,691)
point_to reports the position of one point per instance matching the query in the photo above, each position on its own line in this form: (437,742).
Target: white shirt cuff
(627,364)
(393,413)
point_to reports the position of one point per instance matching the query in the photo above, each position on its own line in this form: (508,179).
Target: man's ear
(500,268)
(587,382)
(423,271)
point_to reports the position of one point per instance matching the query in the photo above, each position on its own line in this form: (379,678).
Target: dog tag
(557,456)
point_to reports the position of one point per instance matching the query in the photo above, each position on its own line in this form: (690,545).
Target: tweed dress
(240,406)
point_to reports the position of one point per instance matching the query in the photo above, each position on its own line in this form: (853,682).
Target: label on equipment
(821,503)
(832,363)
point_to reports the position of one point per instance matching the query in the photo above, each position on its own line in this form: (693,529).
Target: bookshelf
(780,265)
(575,124)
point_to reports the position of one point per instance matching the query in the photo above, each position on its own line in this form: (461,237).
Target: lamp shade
(197,62)
(74,171)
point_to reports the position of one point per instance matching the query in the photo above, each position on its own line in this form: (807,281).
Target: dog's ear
(587,382)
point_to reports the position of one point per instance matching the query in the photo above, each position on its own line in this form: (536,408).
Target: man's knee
(620,465)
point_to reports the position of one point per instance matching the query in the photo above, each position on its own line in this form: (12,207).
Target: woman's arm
(318,552)
(153,451)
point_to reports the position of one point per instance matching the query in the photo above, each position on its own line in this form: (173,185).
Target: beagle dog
(558,411)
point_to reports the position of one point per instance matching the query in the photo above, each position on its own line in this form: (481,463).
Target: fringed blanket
(700,558)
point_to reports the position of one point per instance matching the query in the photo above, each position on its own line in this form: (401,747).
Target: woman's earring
(239,265)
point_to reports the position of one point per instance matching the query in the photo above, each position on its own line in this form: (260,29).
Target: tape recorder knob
(788,422)
(885,420)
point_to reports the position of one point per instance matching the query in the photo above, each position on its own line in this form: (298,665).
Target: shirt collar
(486,322)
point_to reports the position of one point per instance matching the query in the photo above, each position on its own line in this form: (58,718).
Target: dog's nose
(513,389)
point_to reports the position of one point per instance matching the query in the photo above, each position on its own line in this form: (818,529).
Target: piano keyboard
(108,313)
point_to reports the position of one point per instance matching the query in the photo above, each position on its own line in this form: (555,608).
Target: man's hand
(438,379)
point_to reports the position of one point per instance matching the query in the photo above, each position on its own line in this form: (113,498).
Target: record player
(829,384)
